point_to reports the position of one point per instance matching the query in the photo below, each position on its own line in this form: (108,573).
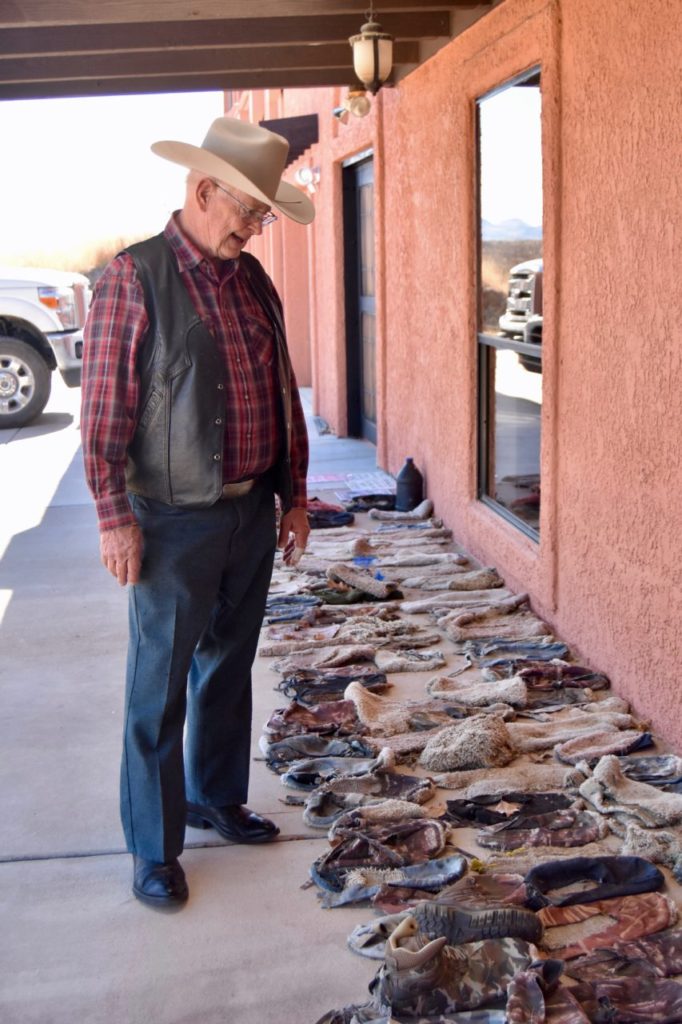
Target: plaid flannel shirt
(117,325)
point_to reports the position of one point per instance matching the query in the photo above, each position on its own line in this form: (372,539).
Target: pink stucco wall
(605,569)
(326,294)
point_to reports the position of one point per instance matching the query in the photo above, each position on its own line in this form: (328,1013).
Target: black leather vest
(176,455)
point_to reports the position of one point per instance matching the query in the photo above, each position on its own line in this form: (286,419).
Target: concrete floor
(251,945)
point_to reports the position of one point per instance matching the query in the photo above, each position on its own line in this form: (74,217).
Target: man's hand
(121,553)
(294,530)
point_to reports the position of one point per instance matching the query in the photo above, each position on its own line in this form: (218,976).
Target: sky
(511,156)
(78,172)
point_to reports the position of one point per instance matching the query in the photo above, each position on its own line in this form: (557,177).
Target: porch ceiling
(109,47)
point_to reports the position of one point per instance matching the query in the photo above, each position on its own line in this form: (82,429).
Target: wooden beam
(83,12)
(306,78)
(182,62)
(116,38)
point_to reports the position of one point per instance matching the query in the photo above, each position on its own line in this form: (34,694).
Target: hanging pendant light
(372,53)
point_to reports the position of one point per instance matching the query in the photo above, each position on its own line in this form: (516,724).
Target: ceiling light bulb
(358,102)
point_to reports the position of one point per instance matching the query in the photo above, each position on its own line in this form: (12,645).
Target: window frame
(485,342)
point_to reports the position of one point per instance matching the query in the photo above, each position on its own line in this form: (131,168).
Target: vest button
(217,457)
(221,387)
(218,420)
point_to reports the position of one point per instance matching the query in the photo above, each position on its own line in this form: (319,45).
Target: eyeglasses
(262,219)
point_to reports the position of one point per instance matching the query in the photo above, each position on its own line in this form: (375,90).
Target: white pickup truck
(42,313)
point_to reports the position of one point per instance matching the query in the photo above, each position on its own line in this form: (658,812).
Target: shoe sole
(460,925)
(199,821)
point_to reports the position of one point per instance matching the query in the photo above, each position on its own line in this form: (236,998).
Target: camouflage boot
(422,977)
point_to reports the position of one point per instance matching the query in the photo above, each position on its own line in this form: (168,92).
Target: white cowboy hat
(246,156)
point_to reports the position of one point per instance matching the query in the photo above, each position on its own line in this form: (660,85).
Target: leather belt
(239,488)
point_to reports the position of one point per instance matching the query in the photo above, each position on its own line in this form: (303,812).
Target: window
(510,300)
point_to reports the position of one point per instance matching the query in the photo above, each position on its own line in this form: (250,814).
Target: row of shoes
(461,937)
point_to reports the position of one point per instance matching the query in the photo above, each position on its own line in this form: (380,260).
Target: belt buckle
(237,489)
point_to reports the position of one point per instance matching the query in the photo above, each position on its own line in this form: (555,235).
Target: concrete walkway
(251,946)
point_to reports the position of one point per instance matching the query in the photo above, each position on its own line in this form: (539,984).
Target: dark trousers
(194,621)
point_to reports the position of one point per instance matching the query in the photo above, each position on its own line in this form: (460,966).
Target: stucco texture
(619,523)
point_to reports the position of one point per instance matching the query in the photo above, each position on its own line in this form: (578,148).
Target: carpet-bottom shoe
(422,977)
(159,884)
(233,822)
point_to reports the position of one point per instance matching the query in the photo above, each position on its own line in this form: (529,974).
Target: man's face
(231,220)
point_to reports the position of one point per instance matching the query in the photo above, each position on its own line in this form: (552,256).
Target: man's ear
(203,191)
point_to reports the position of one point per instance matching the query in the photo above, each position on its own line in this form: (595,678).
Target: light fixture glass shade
(358,103)
(372,55)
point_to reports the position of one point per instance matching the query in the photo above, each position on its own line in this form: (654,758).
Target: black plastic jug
(409,487)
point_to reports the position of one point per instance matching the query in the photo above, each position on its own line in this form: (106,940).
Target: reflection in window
(510,300)
(369,363)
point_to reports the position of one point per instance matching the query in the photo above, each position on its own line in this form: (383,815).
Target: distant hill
(509,230)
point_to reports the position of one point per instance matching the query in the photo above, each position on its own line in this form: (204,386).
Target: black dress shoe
(159,885)
(234,822)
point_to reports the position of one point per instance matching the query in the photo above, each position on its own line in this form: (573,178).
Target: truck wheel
(24,383)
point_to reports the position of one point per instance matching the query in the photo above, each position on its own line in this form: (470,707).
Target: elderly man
(191,424)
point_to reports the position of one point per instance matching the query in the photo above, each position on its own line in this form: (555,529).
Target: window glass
(510,300)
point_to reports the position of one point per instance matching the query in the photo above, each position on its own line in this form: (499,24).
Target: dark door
(360,299)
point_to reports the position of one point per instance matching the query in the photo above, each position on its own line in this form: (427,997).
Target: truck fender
(32,312)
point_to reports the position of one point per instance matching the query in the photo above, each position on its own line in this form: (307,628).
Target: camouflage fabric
(627,917)
(335,718)
(295,631)
(367,1013)
(422,977)
(354,1015)
(326,686)
(631,1000)
(656,769)
(556,675)
(659,954)
(440,915)
(490,889)
(394,898)
(536,996)
(483,810)
(467,1017)
(503,655)
(474,892)
(560,828)
(381,845)
(561,1007)
(526,992)
(330,800)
